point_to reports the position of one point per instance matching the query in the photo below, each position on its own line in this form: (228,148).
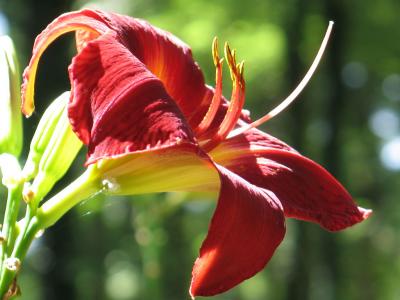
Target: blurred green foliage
(348,119)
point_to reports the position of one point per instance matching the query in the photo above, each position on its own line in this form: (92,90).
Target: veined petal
(180,168)
(306,190)
(171,61)
(85,21)
(118,105)
(249,141)
(164,55)
(247,226)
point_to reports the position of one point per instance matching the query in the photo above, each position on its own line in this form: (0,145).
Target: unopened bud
(10,99)
(62,146)
(43,134)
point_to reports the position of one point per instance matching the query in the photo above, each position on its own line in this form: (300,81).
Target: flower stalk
(12,179)
(11,172)
(9,271)
(17,237)
(82,188)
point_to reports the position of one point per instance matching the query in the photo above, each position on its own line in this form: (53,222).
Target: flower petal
(306,190)
(171,61)
(246,228)
(167,57)
(85,21)
(118,105)
(179,168)
(246,144)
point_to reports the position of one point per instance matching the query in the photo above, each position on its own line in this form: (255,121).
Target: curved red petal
(306,190)
(169,59)
(247,227)
(118,106)
(178,168)
(85,21)
(246,144)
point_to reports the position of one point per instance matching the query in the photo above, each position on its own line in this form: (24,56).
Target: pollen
(235,107)
(12,264)
(217,97)
(293,95)
(110,185)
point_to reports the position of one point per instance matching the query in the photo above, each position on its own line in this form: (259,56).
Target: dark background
(347,119)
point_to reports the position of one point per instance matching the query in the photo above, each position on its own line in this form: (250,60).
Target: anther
(28,194)
(293,95)
(215,53)
(216,99)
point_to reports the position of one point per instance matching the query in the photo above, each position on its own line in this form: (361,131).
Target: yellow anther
(241,72)
(230,60)
(215,53)
(28,195)
(234,56)
(228,54)
(293,95)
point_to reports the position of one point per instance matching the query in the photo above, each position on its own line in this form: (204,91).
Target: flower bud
(53,149)
(10,99)
(43,134)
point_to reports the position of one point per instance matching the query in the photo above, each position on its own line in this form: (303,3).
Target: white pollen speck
(12,263)
(110,185)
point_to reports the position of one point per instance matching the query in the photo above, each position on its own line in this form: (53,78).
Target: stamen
(237,100)
(216,100)
(285,103)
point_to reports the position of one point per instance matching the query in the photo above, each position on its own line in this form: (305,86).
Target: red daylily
(151,124)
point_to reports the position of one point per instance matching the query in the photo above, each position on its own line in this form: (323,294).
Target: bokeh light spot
(354,75)
(391,87)
(390,154)
(122,285)
(384,123)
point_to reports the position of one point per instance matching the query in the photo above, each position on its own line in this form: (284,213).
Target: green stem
(29,229)
(20,250)
(50,212)
(10,219)
(82,188)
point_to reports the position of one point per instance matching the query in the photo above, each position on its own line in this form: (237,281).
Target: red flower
(140,104)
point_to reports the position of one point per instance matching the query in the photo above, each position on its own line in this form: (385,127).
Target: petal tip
(27,110)
(195,288)
(365,213)
(358,215)
(191,293)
